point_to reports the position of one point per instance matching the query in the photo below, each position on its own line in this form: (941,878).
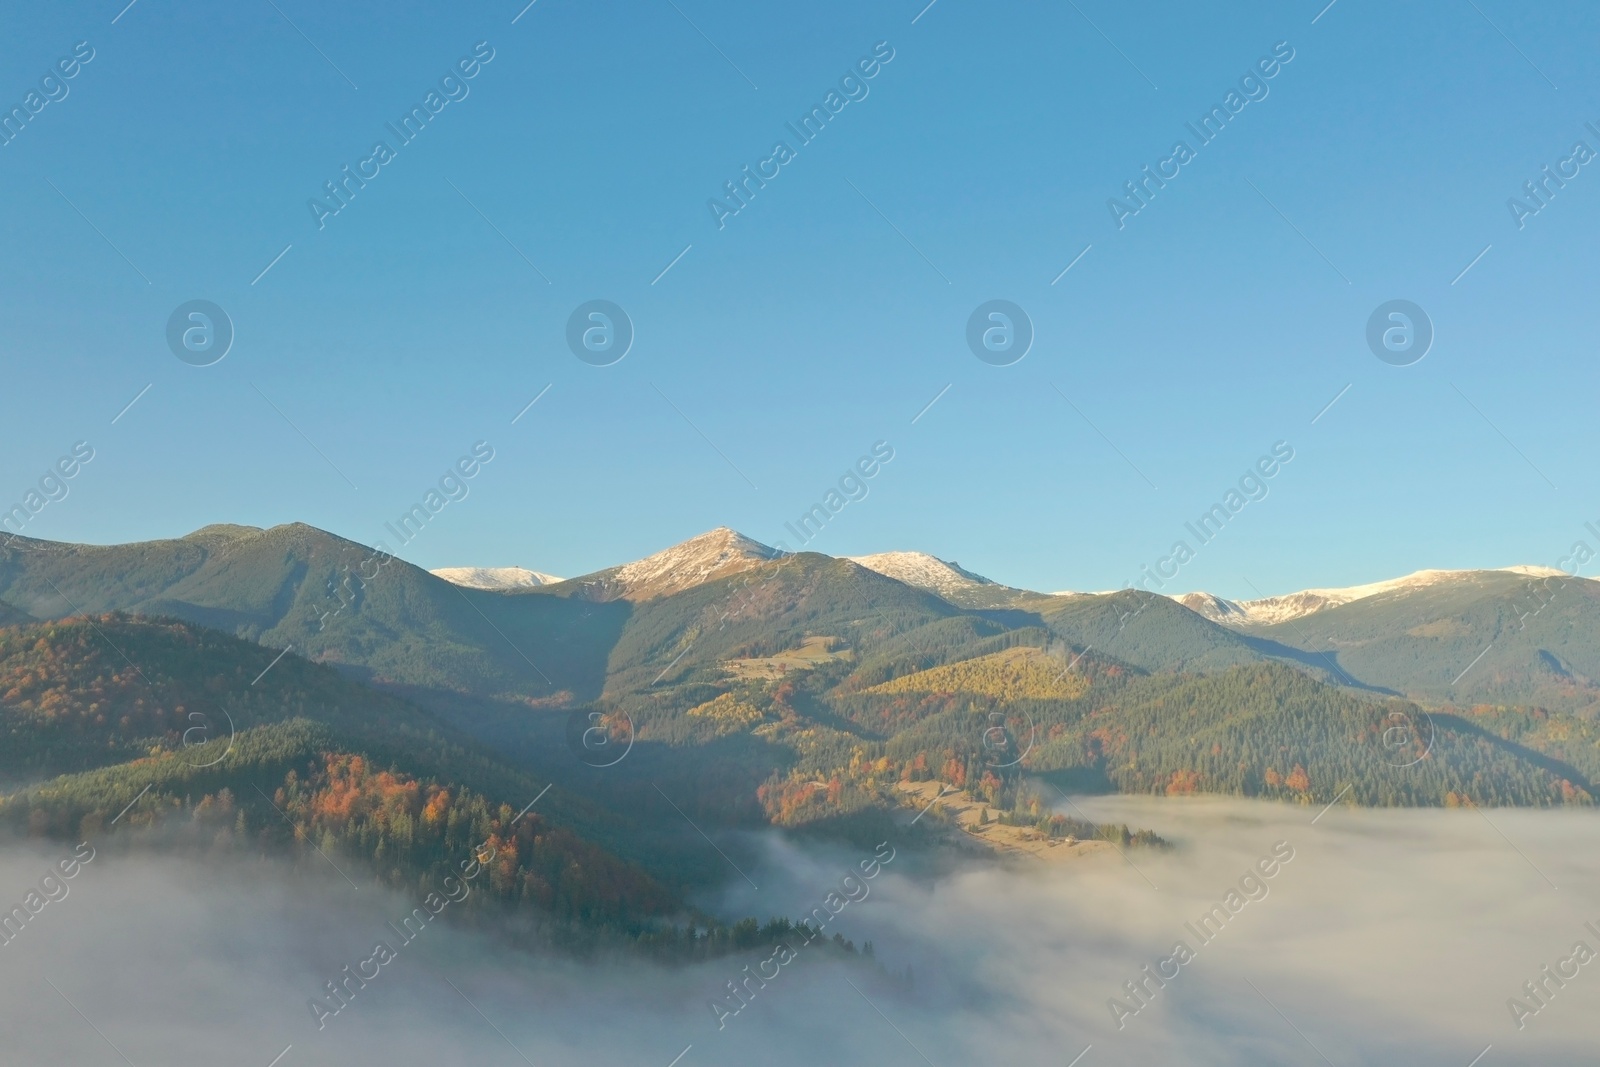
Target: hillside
(301,789)
(1463,637)
(332,600)
(203,734)
(158,734)
(1273,732)
(10,616)
(759,611)
(1157,634)
(81,693)
(1017,673)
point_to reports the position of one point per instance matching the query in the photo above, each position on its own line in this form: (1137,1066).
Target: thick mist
(1387,936)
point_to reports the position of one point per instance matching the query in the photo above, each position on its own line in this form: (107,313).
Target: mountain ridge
(723,550)
(1286,607)
(721,594)
(499,579)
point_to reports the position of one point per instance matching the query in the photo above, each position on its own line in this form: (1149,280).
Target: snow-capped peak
(708,556)
(498,579)
(922,570)
(1275,609)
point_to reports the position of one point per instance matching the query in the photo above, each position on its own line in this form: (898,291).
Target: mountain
(1514,636)
(97,712)
(261,691)
(1485,637)
(924,572)
(1155,633)
(758,611)
(1271,731)
(738,674)
(706,557)
(1290,606)
(330,599)
(162,736)
(496,579)
(952,581)
(687,608)
(1215,608)
(80,693)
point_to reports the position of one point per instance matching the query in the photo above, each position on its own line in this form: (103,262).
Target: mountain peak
(923,571)
(705,557)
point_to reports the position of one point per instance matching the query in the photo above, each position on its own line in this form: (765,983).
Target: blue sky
(827,313)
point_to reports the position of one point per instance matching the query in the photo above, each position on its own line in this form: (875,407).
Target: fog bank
(1386,936)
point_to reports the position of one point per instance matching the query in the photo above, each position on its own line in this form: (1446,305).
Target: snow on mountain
(498,579)
(1215,608)
(923,571)
(1274,609)
(722,552)
(711,555)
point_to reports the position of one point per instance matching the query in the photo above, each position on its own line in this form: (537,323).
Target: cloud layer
(1389,936)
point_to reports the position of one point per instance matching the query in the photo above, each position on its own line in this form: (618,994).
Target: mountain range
(1413,635)
(1526,633)
(745,687)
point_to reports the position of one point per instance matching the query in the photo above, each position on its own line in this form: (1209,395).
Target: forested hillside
(332,599)
(157,731)
(298,788)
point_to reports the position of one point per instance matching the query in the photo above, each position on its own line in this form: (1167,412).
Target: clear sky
(1219,319)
